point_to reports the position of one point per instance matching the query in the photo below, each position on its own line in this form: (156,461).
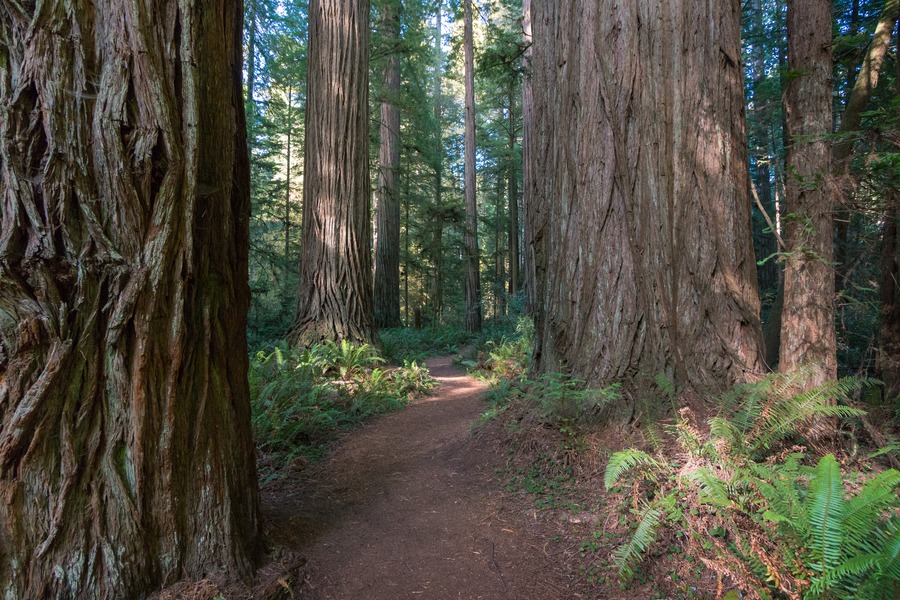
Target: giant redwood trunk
(470,241)
(335,301)
(387,208)
(807,317)
(126,458)
(638,199)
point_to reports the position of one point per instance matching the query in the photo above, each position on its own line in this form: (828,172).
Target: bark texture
(471,259)
(529,276)
(638,194)
(126,455)
(387,207)
(889,351)
(436,248)
(513,191)
(335,300)
(807,318)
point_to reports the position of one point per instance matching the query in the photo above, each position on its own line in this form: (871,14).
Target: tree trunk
(471,258)
(387,208)
(126,454)
(639,194)
(250,103)
(437,237)
(286,217)
(851,119)
(889,350)
(499,259)
(529,281)
(513,189)
(335,258)
(807,322)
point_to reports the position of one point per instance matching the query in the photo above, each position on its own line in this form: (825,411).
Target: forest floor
(411,506)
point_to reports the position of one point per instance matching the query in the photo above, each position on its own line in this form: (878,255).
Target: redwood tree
(126,458)
(638,193)
(807,317)
(387,207)
(470,242)
(335,301)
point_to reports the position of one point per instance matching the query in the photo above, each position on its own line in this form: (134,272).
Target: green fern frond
(862,513)
(653,436)
(709,486)
(826,501)
(845,577)
(649,520)
(889,569)
(624,461)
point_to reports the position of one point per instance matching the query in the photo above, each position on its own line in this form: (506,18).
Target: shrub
(778,527)
(301,398)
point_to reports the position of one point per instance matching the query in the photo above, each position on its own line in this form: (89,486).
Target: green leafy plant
(775,525)
(563,398)
(300,398)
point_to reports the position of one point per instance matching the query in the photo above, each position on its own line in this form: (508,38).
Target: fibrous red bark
(126,456)
(335,300)
(471,256)
(807,317)
(387,207)
(637,196)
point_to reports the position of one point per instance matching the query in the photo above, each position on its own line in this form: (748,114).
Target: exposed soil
(409,506)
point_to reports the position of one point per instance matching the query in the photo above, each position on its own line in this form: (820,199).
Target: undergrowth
(756,506)
(301,398)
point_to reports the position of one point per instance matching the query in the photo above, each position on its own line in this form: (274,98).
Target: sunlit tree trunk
(529,276)
(387,208)
(336,258)
(807,318)
(286,215)
(126,455)
(250,103)
(513,192)
(436,249)
(640,208)
(470,243)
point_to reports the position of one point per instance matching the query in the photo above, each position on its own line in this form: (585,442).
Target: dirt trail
(408,507)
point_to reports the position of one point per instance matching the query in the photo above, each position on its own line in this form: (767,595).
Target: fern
(711,488)
(649,520)
(826,498)
(626,460)
(768,411)
(863,512)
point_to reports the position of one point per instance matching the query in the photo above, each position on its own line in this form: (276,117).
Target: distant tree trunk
(889,350)
(807,322)
(286,217)
(528,260)
(406,256)
(126,454)
(471,258)
(766,242)
(851,119)
(499,259)
(437,225)
(250,103)
(387,207)
(640,207)
(513,189)
(335,258)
